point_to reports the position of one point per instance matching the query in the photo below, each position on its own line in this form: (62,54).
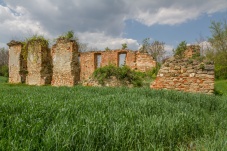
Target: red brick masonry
(186,74)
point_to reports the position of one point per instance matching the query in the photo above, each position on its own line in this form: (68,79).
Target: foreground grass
(88,118)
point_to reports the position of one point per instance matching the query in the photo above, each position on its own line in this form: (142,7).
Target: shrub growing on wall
(31,41)
(123,74)
(181,48)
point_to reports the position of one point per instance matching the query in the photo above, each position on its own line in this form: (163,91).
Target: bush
(4,71)
(181,48)
(123,74)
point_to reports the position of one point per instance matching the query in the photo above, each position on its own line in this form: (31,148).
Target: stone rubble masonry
(192,51)
(15,67)
(65,63)
(186,74)
(38,64)
(134,59)
(144,62)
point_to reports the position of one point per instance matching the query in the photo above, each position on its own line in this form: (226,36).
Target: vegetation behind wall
(4,56)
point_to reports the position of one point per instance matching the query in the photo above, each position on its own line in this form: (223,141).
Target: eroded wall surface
(87,65)
(144,62)
(134,59)
(192,51)
(186,74)
(14,62)
(38,64)
(65,63)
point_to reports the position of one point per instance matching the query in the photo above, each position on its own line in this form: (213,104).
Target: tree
(181,48)
(124,46)
(218,53)
(4,55)
(156,49)
(83,47)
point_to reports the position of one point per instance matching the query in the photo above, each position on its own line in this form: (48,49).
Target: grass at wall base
(91,118)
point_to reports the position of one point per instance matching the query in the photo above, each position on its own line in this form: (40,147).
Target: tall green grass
(90,118)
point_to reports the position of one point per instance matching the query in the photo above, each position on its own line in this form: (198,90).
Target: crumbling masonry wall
(192,51)
(65,63)
(15,61)
(39,66)
(144,62)
(134,59)
(186,74)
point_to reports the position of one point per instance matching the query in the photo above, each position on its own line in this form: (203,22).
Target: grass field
(89,118)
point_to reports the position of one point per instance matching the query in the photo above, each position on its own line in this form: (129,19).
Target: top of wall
(192,51)
(13,43)
(117,50)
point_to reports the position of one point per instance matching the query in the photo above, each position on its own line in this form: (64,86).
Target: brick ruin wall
(38,64)
(134,59)
(144,62)
(192,51)
(15,62)
(65,63)
(64,66)
(186,74)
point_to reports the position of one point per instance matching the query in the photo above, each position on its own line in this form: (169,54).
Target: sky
(110,23)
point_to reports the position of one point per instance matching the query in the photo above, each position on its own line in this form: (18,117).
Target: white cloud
(170,16)
(99,22)
(101,41)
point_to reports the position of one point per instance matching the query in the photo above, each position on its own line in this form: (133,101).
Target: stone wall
(65,63)
(144,62)
(15,62)
(134,59)
(192,51)
(87,65)
(186,74)
(38,64)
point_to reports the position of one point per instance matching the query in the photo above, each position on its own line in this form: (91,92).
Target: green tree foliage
(156,49)
(4,71)
(181,48)
(68,35)
(107,49)
(124,46)
(218,52)
(4,55)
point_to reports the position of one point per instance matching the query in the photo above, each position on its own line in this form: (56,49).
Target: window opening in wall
(98,59)
(122,59)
